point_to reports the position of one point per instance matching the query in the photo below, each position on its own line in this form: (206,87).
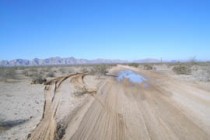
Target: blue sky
(112,29)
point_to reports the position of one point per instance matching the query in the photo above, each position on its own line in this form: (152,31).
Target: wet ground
(131,76)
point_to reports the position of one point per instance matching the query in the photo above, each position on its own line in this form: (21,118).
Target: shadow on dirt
(5,125)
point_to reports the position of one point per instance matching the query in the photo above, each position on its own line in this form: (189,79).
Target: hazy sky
(124,29)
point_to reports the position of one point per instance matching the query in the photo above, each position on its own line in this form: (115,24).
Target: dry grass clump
(99,69)
(71,71)
(8,73)
(84,70)
(148,67)
(31,72)
(208,75)
(62,70)
(60,130)
(36,71)
(182,69)
(37,74)
(136,65)
(25,73)
(51,74)
(38,80)
(201,71)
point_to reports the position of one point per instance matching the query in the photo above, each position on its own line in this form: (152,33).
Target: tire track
(46,129)
(114,110)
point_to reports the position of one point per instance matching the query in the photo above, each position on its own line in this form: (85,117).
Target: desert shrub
(26,73)
(38,80)
(148,67)
(51,74)
(33,69)
(182,69)
(134,65)
(41,72)
(208,75)
(202,73)
(99,69)
(71,71)
(60,130)
(46,69)
(8,73)
(31,73)
(84,70)
(62,70)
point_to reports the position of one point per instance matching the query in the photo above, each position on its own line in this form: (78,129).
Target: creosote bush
(182,69)
(148,67)
(134,65)
(99,69)
(51,74)
(62,70)
(8,73)
(84,70)
(39,80)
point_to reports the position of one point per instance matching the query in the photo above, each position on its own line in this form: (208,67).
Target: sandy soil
(21,107)
(87,107)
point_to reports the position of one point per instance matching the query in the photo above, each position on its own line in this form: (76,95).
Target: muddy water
(131,76)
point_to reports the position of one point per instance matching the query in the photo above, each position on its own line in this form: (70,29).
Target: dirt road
(107,109)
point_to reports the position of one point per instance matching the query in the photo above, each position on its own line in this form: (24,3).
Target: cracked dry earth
(160,108)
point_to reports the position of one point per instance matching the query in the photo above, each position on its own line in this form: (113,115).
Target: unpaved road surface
(161,108)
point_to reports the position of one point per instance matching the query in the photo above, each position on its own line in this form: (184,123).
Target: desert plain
(161,101)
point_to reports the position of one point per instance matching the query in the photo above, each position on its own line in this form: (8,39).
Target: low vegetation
(136,65)
(148,67)
(51,74)
(182,69)
(84,69)
(62,70)
(39,80)
(100,69)
(38,75)
(8,73)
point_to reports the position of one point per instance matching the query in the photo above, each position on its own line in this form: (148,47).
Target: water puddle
(131,76)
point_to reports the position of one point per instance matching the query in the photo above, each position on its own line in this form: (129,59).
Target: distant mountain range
(66,61)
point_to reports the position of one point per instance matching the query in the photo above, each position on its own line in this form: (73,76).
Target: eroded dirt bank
(103,108)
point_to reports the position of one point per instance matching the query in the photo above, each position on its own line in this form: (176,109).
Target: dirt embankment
(84,107)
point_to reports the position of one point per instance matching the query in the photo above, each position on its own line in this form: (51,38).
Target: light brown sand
(89,107)
(161,108)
